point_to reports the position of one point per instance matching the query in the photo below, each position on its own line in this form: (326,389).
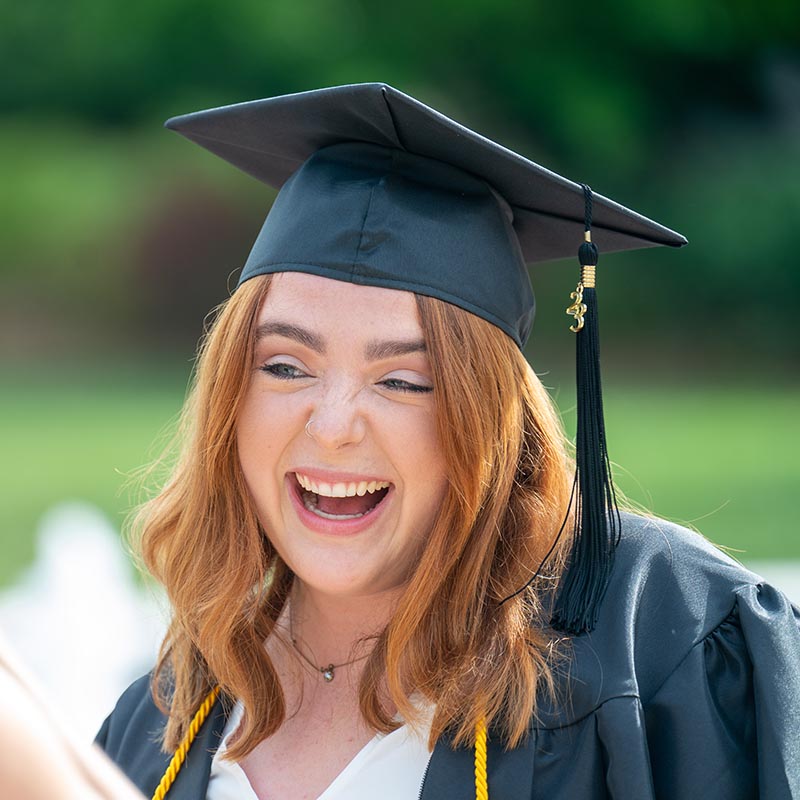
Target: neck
(335,629)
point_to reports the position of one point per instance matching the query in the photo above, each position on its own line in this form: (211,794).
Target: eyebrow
(378,350)
(375,350)
(290,331)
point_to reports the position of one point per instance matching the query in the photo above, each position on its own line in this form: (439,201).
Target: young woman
(371,531)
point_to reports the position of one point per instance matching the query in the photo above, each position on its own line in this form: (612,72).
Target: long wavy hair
(451,638)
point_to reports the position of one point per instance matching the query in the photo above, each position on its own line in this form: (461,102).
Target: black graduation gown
(689,687)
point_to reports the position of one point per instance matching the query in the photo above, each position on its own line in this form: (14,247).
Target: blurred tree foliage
(686,110)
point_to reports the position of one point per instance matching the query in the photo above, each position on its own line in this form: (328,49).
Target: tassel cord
(597,519)
(597,522)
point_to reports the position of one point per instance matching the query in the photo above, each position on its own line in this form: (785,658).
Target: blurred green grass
(76,439)
(715,457)
(718,458)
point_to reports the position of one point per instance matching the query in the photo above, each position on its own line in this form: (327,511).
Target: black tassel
(597,522)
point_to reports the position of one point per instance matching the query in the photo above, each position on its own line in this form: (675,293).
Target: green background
(117,237)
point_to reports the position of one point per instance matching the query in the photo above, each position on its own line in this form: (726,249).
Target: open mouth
(340,501)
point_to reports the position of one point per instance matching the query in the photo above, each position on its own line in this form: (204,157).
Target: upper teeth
(340,489)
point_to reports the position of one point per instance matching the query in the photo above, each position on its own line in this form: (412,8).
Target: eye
(399,385)
(283,371)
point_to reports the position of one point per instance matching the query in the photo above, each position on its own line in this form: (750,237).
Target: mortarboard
(377,188)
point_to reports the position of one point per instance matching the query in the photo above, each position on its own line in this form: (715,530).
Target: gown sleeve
(726,721)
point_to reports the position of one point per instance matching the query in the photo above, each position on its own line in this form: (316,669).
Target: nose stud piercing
(308,425)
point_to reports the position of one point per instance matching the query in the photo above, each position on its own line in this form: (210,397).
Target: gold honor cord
(481,781)
(481,784)
(183,748)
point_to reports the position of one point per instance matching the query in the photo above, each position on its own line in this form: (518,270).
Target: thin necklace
(328,672)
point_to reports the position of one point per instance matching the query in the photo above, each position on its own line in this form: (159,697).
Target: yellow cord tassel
(183,748)
(481,781)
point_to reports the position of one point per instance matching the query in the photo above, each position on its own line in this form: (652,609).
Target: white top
(390,766)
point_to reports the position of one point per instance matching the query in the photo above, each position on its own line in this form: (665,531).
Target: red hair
(450,638)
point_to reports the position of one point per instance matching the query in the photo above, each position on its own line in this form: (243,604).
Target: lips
(338,502)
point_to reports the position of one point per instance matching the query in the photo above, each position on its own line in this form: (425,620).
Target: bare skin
(39,758)
(324,729)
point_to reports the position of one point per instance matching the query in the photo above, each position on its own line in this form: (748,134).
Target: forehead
(314,299)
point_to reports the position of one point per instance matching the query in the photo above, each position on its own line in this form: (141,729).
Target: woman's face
(349,500)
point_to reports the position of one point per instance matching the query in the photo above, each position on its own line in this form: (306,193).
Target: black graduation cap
(377,188)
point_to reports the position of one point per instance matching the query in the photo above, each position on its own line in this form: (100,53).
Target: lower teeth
(309,502)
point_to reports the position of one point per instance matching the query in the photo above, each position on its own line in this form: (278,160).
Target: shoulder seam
(621,696)
(694,645)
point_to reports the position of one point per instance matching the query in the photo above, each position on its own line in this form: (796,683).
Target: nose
(337,419)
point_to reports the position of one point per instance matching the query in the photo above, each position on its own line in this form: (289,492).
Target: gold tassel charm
(578,308)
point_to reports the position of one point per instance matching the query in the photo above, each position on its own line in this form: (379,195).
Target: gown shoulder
(689,686)
(132,736)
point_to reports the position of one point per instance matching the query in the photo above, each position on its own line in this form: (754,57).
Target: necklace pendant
(327,673)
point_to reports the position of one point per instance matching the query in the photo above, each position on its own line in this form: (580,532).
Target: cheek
(424,462)
(247,434)
(256,439)
(429,453)
(267,417)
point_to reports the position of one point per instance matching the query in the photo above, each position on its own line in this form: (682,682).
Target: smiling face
(349,500)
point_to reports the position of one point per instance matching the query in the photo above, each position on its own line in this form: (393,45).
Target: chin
(337,580)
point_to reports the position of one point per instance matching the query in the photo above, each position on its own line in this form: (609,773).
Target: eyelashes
(284,372)
(395,384)
(289,372)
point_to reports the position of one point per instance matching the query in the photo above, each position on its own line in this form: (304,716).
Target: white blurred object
(783,575)
(78,619)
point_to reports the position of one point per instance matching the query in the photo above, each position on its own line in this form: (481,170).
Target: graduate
(388,576)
